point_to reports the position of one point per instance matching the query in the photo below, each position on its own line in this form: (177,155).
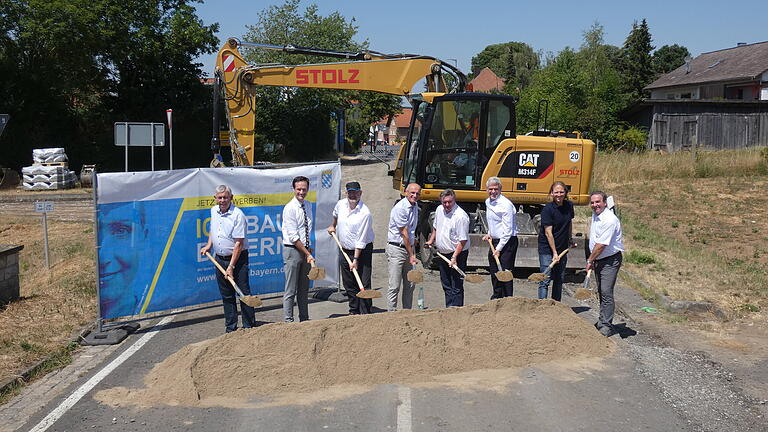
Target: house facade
(719,100)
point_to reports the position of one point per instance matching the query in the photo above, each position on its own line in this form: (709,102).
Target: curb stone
(21,378)
(679,306)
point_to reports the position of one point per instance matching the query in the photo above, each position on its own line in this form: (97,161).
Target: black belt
(609,256)
(289,246)
(400,245)
(222,257)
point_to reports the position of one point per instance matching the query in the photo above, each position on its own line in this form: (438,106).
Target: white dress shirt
(353,227)
(293,222)
(450,229)
(403,214)
(500,214)
(605,230)
(225,228)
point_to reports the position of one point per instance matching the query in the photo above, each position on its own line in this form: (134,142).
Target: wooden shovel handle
(349,261)
(560,255)
(498,263)
(232,281)
(455,267)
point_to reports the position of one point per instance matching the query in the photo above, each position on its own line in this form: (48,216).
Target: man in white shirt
(605,258)
(353,225)
(502,230)
(450,236)
(297,250)
(230,248)
(401,247)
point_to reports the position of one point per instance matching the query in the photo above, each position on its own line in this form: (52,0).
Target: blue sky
(459,30)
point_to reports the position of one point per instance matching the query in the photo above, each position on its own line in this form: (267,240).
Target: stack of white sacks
(48,171)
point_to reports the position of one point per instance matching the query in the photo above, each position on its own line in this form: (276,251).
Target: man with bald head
(401,247)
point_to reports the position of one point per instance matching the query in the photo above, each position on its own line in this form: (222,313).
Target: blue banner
(148,249)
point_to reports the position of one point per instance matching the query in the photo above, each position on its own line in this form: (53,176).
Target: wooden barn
(719,100)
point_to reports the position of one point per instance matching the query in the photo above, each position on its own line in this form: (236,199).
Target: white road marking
(78,394)
(404,409)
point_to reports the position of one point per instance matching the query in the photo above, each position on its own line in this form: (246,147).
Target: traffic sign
(43,206)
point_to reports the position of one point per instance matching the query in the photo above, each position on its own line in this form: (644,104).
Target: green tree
(669,57)
(583,89)
(514,61)
(71,68)
(636,60)
(300,118)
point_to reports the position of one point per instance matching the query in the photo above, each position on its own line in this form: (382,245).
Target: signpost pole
(126,146)
(45,239)
(169,114)
(152,149)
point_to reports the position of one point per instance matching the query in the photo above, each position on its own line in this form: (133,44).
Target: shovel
(250,300)
(316,273)
(586,291)
(502,275)
(473,278)
(363,294)
(538,277)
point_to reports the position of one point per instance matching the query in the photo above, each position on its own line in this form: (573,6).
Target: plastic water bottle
(420,301)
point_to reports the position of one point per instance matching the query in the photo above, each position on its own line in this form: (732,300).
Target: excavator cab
(452,138)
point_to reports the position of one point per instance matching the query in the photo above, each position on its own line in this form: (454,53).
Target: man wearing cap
(227,239)
(353,225)
(401,248)
(297,251)
(500,214)
(450,235)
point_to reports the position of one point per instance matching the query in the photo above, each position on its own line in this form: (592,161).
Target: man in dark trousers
(353,225)
(502,230)
(230,247)
(450,236)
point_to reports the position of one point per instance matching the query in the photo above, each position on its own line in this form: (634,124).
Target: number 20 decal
(574,156)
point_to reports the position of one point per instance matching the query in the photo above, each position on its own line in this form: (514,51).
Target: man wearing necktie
(297,251)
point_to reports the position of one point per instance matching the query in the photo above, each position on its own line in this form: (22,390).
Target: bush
(640,257)
(631,139)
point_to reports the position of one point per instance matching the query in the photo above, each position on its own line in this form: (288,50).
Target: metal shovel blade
(504,275)
(316,273)
(415,276)
(584,292)
(252,301)
(368,294)
(537,277)
(474,278)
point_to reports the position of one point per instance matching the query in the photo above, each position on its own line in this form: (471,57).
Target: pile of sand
(404,347)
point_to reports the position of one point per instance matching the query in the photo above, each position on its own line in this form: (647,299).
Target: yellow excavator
(457,138)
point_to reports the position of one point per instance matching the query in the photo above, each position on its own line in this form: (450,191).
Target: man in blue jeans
(230,247)
(555,237)
(605,257)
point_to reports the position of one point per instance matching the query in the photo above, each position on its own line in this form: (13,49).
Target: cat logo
(528,160)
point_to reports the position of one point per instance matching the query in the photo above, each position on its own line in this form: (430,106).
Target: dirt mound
(403,347)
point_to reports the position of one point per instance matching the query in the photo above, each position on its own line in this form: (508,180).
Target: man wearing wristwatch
(401,247)
(353,225)
(230,247)
(605,257)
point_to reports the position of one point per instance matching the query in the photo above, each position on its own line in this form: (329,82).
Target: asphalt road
(644,386)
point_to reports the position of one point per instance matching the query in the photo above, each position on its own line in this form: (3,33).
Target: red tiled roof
(486,81)
(403,120)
